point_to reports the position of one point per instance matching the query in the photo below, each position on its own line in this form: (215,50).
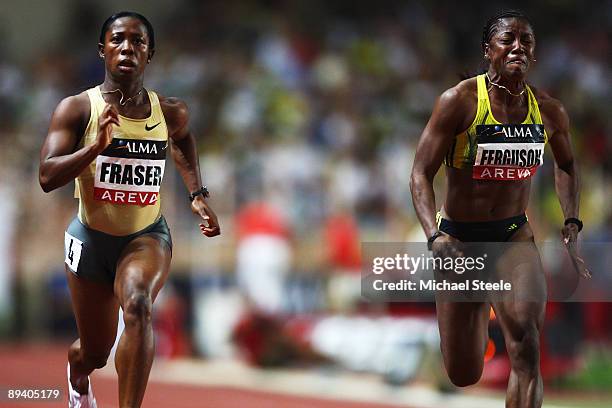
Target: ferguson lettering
(508,152)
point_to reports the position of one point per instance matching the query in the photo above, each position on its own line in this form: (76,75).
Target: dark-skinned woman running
(490,131)
(112,140)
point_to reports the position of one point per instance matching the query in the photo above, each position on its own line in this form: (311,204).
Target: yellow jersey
(119,191)
(499,151)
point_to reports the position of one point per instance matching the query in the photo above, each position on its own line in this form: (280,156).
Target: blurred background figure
(307,116)
(263,257)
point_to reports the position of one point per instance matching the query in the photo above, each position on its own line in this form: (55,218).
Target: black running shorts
(93,255)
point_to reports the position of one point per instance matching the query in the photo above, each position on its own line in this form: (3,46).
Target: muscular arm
(185,155)
(567,183)
(446,121)
(60,163)
(182,142)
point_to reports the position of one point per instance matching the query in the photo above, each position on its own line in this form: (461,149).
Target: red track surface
(45,367)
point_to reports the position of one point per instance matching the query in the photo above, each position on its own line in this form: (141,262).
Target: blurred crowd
(316,108)
(308,112)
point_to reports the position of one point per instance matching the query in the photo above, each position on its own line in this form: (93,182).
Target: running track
(197,384)
(44,366)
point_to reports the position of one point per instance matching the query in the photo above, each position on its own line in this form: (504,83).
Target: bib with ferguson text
(508,152)
(130,171)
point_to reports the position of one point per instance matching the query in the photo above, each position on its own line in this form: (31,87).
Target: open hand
(570,239)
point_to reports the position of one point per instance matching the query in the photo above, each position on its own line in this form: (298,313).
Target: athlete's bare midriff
(487,200)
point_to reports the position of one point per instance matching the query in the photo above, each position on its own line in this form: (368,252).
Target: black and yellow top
(119,191)
(519,147)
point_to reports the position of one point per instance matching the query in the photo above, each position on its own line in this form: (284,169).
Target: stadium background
(307,115)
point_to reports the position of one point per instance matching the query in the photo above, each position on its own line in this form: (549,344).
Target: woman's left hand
(209,225)
(570,239)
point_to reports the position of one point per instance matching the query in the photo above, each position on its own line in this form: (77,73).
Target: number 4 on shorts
(72,249)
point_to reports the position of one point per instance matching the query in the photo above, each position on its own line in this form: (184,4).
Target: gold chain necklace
(504,88)
(121,101)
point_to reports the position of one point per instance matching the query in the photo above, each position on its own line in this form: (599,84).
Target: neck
(128,88)
(511,90)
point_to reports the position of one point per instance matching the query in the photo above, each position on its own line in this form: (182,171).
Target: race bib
(72,251)
(508,152)
(130,171)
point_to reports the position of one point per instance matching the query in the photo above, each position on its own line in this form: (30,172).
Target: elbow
(45,182)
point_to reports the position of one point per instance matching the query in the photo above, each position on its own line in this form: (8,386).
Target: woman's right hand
(108,118)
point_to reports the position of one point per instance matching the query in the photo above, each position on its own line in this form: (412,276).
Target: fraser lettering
(127,174)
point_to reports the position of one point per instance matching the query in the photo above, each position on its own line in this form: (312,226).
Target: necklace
(504,88)
(121,101)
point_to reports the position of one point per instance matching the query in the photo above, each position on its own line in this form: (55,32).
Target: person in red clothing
(263,257)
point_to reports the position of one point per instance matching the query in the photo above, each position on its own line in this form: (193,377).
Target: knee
(95,360)
(524,350)
(90,358)
(137,310)
(465,376)
(463,371)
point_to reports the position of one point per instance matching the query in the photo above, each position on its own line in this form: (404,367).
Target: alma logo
(138,147)
(514,131)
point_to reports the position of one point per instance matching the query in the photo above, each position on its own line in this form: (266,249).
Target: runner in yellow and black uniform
(113,140)
(118,192)
(495,151)
(490,131)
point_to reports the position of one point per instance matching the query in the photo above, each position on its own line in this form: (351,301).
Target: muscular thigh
(143,266)
(463,326)
(520,264)
(96,312)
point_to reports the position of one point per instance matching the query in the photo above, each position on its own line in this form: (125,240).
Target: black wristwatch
(202,191)
(431,239)
(576,221)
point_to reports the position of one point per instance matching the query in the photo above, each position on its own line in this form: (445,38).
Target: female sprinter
(112,140)
(490,132)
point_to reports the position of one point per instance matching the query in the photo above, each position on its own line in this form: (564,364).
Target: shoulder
(464,92)
(74,104)
(175,112)
(552,110)
(457,105)
(73,109)
(173,108)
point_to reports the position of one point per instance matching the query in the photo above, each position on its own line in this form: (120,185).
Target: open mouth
(127,64)
(520,62)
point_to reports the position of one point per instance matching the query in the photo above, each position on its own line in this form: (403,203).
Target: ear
(101,50)
(150,57)
(486,52)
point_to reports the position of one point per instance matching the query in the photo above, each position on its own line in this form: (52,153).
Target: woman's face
(126,48)
(510,49)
